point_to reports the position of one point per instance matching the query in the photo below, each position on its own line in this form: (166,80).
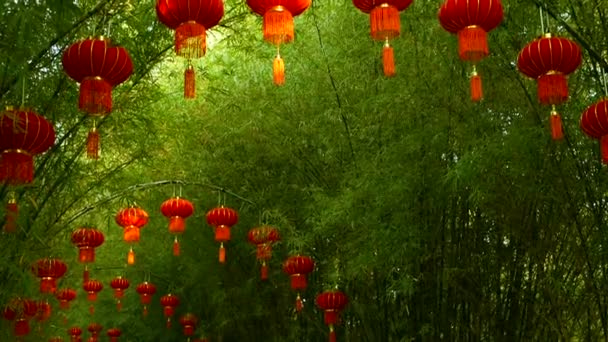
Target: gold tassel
(556,126)
(93,144)
(278,71)
(476,88)
(189,83)
(388,60)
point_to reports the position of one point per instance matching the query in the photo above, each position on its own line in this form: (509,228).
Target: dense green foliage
(441,219)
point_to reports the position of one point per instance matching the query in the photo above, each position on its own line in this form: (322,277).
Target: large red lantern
(119,284)
(65,296)
(263,237)
(98,66)
(20,311)
(190,19)
(75,333)
(49,270)
(23,134)
(94,329)
(549,60)
(298,267)
(188,322)
(92,288)
(332,302)
(177,210)
(594,122)
(146,290)
(385,25)
(87,239)
(471,21)
(169,303)
(114,334)
(222,219)
(132,219)
(278,26)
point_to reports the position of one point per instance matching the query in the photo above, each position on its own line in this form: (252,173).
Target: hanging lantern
(49,270)
(114,334)
(98,66)
(188,322)
(20,311)
(298,267)
(177,210)
(190,19)
(87,239)
(43,310)
(23,134)
(263,237)
(75,333)
(94,329)
(549,60)
(594,122)
(132,219)
(278,27)
(92,288)
(169,303)
(471,21)
(119,284)
(332,302)
(222,219)
(146,290)
(65,296)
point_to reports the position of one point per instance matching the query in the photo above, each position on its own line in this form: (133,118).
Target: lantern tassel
(472,44)
(556,126)
(332,334)
(169,323)
(93,144)
(176,247)
(476,88)
(145,311)
(91,309)
(552,89)
(388,60)
(604,148)
(85,274)
(16,167)
(189,83)
(12,213)
(222,256)
(131,257)
(118,305)
(299,304)
(278,71)
(264,271)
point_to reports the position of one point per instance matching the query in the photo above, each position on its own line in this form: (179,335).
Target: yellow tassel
(189,83)
(476,88)
(388,60)
(278,71)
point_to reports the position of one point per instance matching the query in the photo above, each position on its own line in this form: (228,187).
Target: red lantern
(169,303)
(177,210)
(48,270)
(278,27)
(146,290)
(594,122)
(132,219)
(92,287)
(114,334)
(75,333)
(65,296)
(298,267)
(263,237)
(98,66)
(222,219)
(20,311)
(43,310)
(119,284)
(188,322)
(549,60)
(87,239)
(190,19)
(471,21)
(332,302)
(94,329)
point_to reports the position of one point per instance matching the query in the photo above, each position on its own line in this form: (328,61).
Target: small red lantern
(594,122)
(119,284)
(471,21)
(49,270)
(20,311)
(114,334)
(263,237)
(132,219)
(65,296)
(332,302)
(222,219)
(549,60)
(385,25)
(298,267)
(177,210)
(92,287)
(278,26)
(75,333)
(87,239)
(94,329)
(169,303)
(146,290)
(43,310)
(190,19)
(188,322)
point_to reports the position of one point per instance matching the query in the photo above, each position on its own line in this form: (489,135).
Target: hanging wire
(542,23)
(23,92)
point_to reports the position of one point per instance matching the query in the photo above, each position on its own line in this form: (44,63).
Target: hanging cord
(542,22)
(23,92)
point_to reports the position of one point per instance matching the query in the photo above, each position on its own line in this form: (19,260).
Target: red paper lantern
(87,239)
(146,290)
(263,237)
(119,284)
(594,122)
(114,334)
(132,219)
(169,303)
(65,296)
(177,210)
(549,60)
(48,270)
(222,219)
(298,267)
(278,27)
(94,329)
(98,66)
(75,333)
(332,302)
(471,21)
(43,310)
(92,288)
(21,311)
(188,322)
(190,19)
